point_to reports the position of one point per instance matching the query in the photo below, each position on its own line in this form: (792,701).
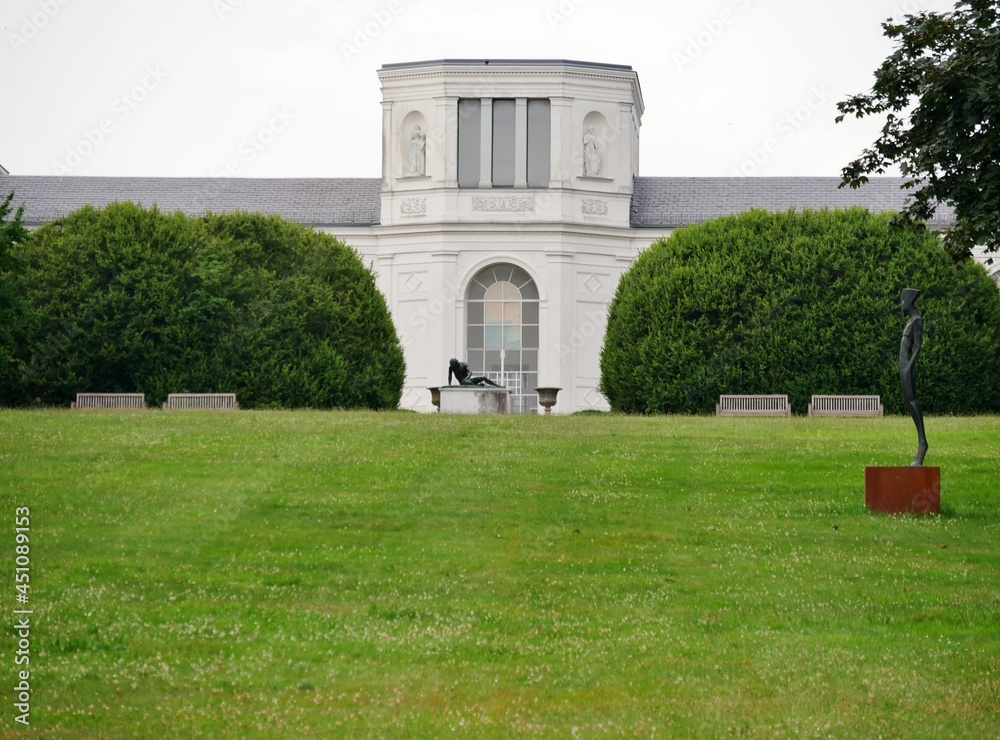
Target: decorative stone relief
(513,203)
(413,206)
(592,282)
(411,282)
(595,207)
(412,397)
(593,398)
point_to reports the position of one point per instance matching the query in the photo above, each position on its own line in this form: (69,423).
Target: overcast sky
(289,89)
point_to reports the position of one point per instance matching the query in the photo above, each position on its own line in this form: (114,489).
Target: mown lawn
(358,574)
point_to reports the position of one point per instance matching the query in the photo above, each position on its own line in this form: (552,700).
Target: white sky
(724,81)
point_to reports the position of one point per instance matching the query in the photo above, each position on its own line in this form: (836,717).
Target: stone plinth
(474,399)
(903,490)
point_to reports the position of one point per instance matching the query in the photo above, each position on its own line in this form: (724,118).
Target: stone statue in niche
(909,348)
(464,375)
(591,154)
(417,142)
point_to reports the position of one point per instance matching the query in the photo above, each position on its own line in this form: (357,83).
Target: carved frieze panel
(506,203)
(413,206)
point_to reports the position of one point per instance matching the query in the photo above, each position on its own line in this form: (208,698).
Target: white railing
(513,380)
(509,380)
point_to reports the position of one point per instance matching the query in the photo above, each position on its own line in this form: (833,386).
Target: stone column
(448,341)
(387,140)
(626,156)
(486,143)
(560,157)
(521,143)
(447,121)
(556,315)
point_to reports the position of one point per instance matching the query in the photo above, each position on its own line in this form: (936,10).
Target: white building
(509,206)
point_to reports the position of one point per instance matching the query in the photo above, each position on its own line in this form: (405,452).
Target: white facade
(571,238)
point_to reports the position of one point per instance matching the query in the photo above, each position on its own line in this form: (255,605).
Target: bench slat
(209,401)
(109,401)
(753,405)
(829,405)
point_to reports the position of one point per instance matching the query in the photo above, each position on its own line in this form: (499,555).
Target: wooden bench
(109,401)
(845,406)
(768,405)
(212,401)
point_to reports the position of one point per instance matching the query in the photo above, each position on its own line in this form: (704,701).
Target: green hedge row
(125,299)
(798,303)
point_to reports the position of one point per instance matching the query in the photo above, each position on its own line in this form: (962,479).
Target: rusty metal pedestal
(903,490)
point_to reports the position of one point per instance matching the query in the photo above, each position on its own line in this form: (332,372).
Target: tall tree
(12,305)
(940,94)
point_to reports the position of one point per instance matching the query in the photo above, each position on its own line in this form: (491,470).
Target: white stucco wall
(425,275)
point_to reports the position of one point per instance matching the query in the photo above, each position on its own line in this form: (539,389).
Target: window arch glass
(502,331)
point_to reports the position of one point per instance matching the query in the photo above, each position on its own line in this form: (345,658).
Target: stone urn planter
(547,397)
(436,398)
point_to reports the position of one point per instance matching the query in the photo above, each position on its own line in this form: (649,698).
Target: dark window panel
(474,311)
(539,137)
(503,143)
(530,312)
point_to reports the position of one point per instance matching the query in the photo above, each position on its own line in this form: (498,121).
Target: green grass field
(356,574)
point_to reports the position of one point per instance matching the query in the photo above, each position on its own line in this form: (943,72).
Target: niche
(413,145)
(598,147)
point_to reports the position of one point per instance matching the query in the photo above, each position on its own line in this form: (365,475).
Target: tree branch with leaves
(940,94)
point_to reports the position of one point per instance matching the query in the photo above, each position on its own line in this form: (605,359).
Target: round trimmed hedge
(800,303)
(125,299)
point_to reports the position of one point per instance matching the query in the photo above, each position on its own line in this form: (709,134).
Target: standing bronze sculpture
(909,348)
(913,488)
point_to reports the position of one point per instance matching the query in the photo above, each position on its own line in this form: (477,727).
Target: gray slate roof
(657,202)
(316,201)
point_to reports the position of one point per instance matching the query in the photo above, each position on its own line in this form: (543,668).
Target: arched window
(502,331)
